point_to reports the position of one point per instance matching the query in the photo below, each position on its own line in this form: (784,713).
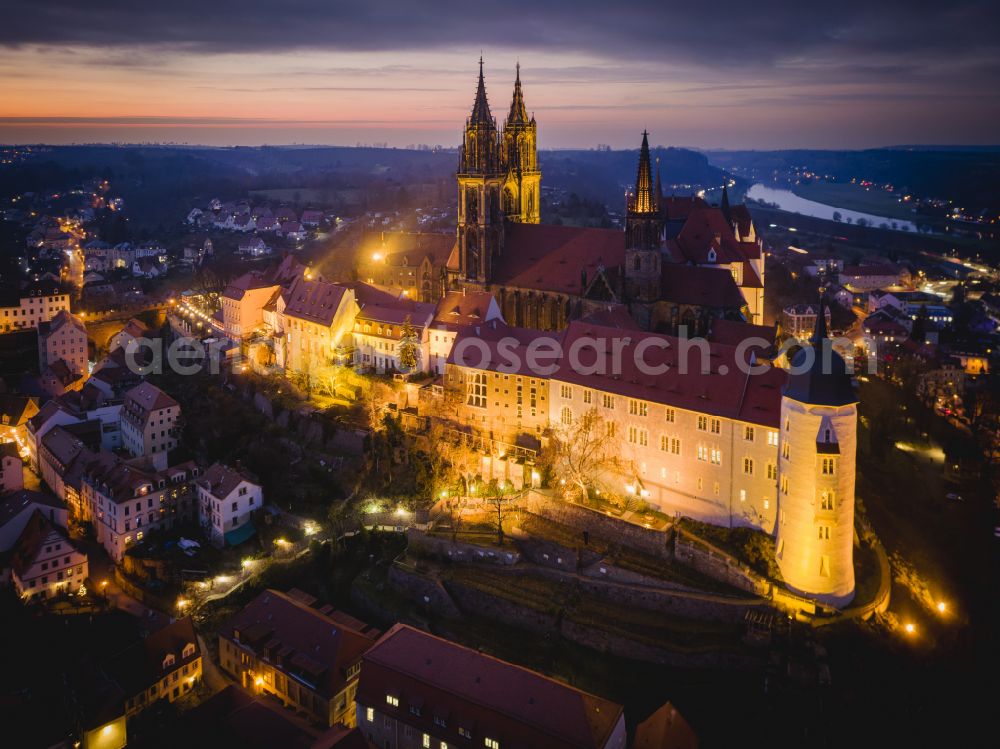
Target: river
(786,200)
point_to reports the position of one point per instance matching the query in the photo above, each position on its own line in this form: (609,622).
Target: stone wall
(718,565)
(444,549)
(551,554)
(427,591)
(612,529)
(481,603)
(605,570)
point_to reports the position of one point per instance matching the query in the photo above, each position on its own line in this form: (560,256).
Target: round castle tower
(816,467)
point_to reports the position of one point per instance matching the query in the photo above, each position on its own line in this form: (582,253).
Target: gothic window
(471,205)
(477,390)
(636,263)
(508,202)
(471,255)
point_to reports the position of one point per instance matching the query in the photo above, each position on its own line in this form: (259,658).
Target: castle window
(716,456)
(477,390)
(826,499)
(784,484)
(588,396)
(566,416)
(643,438)
(392,700)
(671,415)
(566,391)
(748,434)
(608,401)
(772,438)
(829,466)
(702,423)
(637,408)
(716,426)
(824,533)
(702,452)
(748,466)
(785,451)
(772,471)
(611,429)
(664,442)
(675,445)
(743,495)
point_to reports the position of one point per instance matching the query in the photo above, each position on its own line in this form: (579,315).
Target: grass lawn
(856,198)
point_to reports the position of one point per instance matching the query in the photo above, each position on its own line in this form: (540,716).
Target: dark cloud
(892,35)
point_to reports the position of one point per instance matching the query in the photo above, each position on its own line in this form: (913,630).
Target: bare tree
(580,452)
(500,501)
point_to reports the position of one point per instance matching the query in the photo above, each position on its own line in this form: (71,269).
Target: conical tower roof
(644,200)
(724,203)
(518,112)
(818,375)
(481,108)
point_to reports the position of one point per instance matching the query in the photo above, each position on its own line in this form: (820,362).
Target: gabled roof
(311,645)
(315,301)
(457,309)
(701,286)
(13,504)
(221,480)
(484,694)
(34,536)
(553,258)
(149,397)
(479,347)
(612,316)
(15,410)
(61,319)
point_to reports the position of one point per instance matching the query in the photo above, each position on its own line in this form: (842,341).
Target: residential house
(308,658)
(17,508)
(150,423)
(455,312)
(63,338)
(228,499)
(129,336)
(11,468)
(45,563)
(382,330)
(418,690)
(36,303)
(799,320)
(164,665)
(317,324)
(125,500)
(863,278)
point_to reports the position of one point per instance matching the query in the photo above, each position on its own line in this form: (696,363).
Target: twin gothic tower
(498,180)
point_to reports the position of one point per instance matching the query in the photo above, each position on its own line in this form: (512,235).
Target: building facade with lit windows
(25,309)
(44,562)
(125,500)
(228,499)
(63,338)
(150,423)
(418,691)
(309,658)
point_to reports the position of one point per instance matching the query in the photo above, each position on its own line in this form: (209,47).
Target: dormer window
(711,256)
(169,660)
(188,650)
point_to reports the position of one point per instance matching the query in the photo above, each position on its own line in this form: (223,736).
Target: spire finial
(518,112)
(819,332)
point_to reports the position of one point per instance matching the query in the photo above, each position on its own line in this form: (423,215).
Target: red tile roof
(552,258)
(705,230)
(457,308)
(723,390)
(315,301)
(701,286)
(612,316)
(482,694)
(221,480)
(732,332)
(147,398)
(501,348)
(298,640)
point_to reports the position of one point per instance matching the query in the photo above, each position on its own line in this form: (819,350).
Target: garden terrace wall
(616,530)
(446,550)
(427,591)
(715,563)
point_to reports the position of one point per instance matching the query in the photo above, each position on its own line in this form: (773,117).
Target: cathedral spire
(644,201)
(819,332)
(481,108)
(518,112)
(724,203)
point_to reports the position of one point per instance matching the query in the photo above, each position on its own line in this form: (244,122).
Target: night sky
(716,74)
